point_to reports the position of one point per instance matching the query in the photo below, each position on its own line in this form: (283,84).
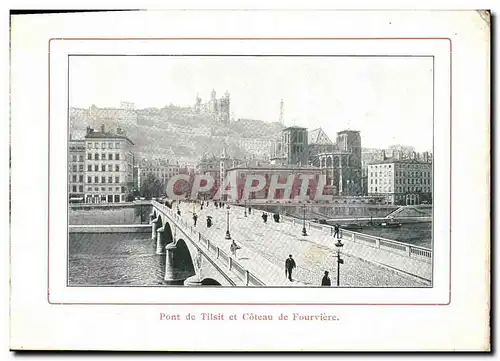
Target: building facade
(109,164)
(162,169)
(76,171)
(293,146)
(401,182)
(241,172)
(342,165)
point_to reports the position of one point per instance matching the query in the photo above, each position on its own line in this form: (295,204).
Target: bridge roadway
(264,248)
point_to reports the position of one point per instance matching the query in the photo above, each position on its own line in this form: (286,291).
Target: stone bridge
(190,258)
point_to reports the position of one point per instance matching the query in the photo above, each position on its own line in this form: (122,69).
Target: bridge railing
(402,248)
(226,260)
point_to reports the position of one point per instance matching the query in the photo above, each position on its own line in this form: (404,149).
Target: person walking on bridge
(335,230)
(195,218)
(289,266)
(264,217)
(234,247)
(326,280)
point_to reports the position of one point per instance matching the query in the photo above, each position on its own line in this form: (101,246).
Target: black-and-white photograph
(250,171)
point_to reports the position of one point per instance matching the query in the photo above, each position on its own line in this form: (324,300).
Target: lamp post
(304,232)
(245,207)
(228,235)
(340,261)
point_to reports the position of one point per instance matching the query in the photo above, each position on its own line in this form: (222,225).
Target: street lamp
(304,232)
(340,261)
(228,235)
(245,207)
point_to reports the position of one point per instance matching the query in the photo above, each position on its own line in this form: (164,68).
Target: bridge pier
(160,241)
(154,228)
(193,281)
(176,270)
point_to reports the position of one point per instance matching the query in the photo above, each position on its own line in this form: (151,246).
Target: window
(74,168)
(80,179)
(80,188)
(74,158)
(96,168)
(117,189)
(110,189)
(96,189)
(89,168)
(103,189)
(117,179)
(110,168)
(110,145)
(80,158)
(103,156)
(74,177)
(96,179)
(89,189)
(103,145)
(103,167)
(96,156)
(117,145)
(74,188)
(117,156)
(117,167)
(110,156)
(103,179)
(89,156)
(96,145)
(110,180)
(89,179)
(80,167)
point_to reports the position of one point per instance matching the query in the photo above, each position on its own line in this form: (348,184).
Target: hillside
(175,132)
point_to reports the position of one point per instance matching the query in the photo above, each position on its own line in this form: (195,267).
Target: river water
(114,259)
(418,234)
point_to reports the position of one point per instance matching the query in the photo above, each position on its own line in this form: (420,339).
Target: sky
(388,99)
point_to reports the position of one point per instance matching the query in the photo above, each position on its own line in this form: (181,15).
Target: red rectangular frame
(241,303)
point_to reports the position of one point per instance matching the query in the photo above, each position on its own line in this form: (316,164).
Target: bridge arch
(210,282)
(185,261)
(167,232)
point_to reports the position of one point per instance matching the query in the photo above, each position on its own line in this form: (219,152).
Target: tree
(152,187)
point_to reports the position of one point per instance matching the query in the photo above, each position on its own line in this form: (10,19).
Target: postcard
(232,187)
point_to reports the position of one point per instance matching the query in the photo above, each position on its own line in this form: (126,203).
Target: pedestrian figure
(209,221)
(249,210)
(289,266)
(335,230)
(264,217)
(326,280)
(195,218)
(178,211)
(234,247)
(276,217)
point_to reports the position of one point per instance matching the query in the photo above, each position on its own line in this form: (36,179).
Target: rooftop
(400,161)
(106,135)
